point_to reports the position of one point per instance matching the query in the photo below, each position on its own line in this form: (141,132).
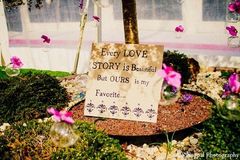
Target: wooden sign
(123,83)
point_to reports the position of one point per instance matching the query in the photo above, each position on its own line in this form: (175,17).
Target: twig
(82,26)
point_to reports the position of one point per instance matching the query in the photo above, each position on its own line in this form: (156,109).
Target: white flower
(24,124)
(40,120)
(231,105)
(46,119)
(4,126)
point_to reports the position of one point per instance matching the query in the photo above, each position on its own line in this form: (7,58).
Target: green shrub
(220,136)
(32,141)
(179,62)
(29,97)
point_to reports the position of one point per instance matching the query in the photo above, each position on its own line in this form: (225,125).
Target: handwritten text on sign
(123,83)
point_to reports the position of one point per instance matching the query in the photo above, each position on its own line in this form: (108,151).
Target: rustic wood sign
(123,83)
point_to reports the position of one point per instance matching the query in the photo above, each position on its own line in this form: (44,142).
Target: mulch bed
(170,118)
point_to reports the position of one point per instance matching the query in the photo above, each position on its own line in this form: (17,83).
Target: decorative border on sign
(124,110)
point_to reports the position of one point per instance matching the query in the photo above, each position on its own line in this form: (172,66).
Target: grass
(35,71)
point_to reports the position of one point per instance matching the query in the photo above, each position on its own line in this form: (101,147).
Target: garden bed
(170,118)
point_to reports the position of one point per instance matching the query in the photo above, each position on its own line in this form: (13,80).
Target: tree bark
(130,21)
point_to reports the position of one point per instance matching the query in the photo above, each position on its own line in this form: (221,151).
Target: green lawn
(35,71)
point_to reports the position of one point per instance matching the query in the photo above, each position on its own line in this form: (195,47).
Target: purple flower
(232,30)
(226,87)
(179,28)
(186,98)
(16,62)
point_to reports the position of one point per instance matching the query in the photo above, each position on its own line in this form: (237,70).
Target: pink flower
(231,7)
(61,116)
(170,76)
(179,28)
(96,18)
(234,6)
(45,39)
(232,30)
(16,62)
(234,83)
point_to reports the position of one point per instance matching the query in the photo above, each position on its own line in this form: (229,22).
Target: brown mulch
(170,118)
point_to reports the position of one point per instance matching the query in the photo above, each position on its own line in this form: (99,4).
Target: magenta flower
(231,7)
(16,62)
(61,116)
(179,28)
(234,83)
(170,76)
(45,39)
(96,18)
(234,6)
(232,30)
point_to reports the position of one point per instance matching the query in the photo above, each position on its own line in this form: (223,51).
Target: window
(48,10)
(69,10)
(58,10)
(152,9)
(13,18)
(168,9)
(214,10)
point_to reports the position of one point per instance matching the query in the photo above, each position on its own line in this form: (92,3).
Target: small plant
(169,144)
(25,98)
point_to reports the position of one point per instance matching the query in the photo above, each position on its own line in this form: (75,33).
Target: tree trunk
(130,21)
